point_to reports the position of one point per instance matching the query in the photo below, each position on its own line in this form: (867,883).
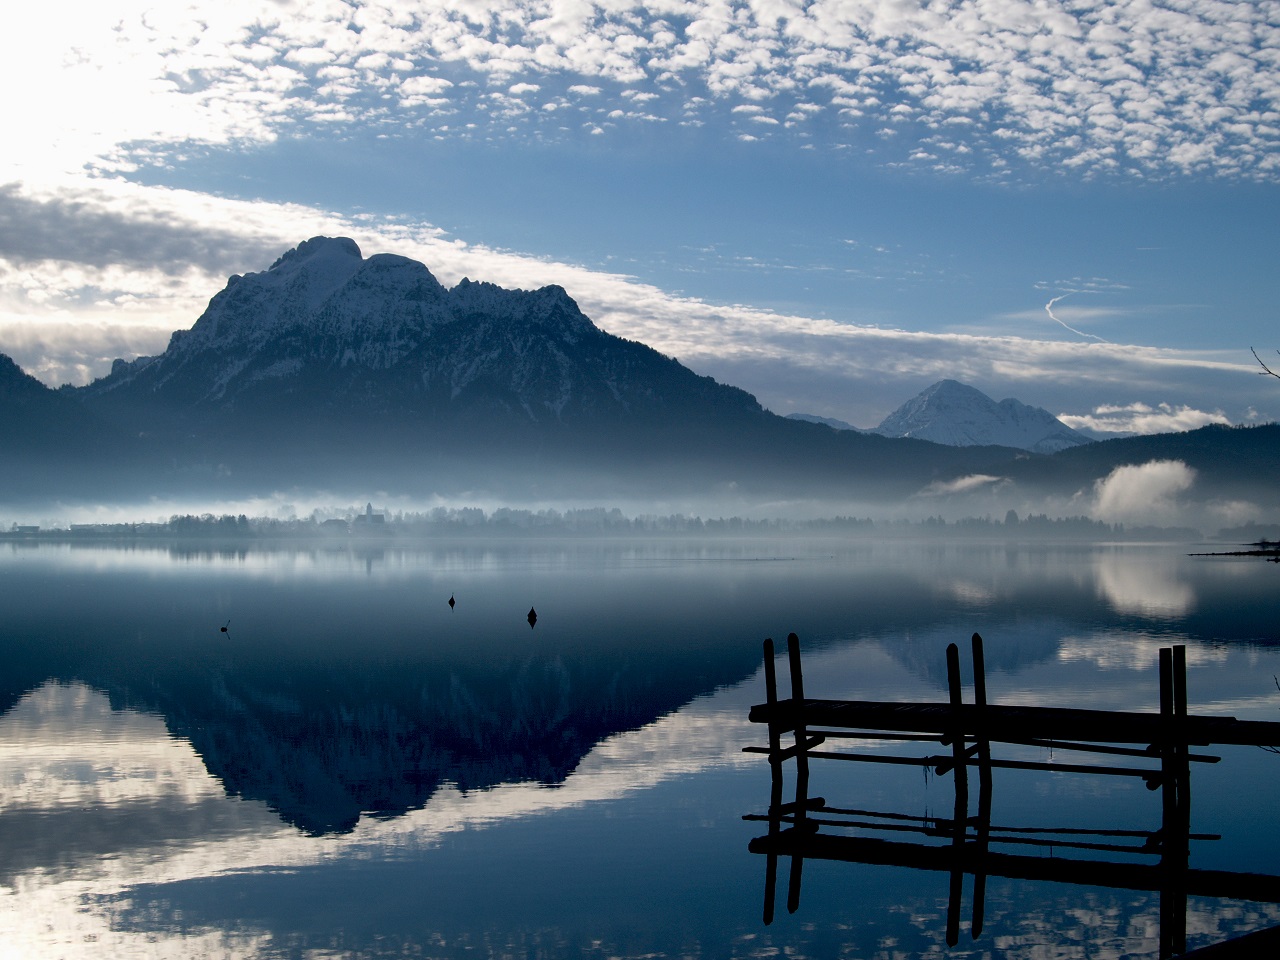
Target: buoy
(532,618)
(451,601)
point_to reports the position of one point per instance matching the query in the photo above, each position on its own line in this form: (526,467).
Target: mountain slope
(375,342)
(331,368)
(826,421)
(47,440)
(36,417)
(335,373)
(958,415)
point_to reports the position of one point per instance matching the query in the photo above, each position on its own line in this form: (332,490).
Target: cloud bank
(1137,87)
(1143,494)
(1142,418)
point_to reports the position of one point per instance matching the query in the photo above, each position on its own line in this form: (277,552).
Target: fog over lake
(353,767)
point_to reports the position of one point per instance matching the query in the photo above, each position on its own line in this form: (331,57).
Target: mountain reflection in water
(354,766)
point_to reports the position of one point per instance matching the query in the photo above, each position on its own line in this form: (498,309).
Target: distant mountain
(953,413)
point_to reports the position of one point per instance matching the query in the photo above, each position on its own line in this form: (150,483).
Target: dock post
(960,819)
(775,785)
(802,768)
(1175,778)
(981,733)
(983,826)
(775,737)
(801,732)
(957,733)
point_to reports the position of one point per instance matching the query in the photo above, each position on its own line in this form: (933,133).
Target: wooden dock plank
(1023,722)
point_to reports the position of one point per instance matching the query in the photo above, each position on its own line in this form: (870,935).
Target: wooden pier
(1155,747)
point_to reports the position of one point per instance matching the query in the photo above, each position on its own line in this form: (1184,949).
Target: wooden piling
(983,737)
(775,780)
(802,767)
(956,728)
(1163,738)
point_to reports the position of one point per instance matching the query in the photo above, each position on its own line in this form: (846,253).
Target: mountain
(332,369)
(369,343)
(333,373)
(953,413)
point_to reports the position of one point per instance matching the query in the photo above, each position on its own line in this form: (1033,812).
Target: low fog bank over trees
(506,522)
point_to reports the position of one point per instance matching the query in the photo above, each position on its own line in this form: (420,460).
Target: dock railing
(1155,747)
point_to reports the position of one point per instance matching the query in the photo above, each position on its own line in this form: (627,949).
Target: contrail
(1048,308)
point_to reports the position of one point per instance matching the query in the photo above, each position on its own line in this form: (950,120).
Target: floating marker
(451,601)
(532,618)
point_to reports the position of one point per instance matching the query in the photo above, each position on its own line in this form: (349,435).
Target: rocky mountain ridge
(381,339)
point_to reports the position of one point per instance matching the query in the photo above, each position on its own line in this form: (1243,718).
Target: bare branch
(1265,371)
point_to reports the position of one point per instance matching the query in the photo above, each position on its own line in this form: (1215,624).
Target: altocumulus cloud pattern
(1140,87)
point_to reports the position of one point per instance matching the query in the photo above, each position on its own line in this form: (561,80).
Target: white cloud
(1143,494)
(1123,86)
(1143,418)
(967,484)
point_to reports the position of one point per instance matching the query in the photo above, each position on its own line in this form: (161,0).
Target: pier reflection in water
(355,768)
(796,825)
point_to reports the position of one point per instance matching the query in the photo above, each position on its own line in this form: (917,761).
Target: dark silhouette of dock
(1156,747)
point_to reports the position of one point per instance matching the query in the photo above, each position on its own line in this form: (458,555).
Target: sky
(830,204)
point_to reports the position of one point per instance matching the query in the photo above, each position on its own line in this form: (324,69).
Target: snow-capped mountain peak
(958,415)
(381,338)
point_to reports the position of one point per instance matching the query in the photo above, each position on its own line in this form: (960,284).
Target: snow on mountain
(322,301)
(955,414)
(327,332)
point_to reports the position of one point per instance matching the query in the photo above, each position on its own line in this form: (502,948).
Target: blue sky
(830,204)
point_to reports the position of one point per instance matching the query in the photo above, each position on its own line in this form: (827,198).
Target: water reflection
(355,767)
(1134,653)
(105,806)
(1152,588)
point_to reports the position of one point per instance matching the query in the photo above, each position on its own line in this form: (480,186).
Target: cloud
(975,481)
(1125,87)
(1048,308)
(101,227)
(81,351)
(1143,494)
(1142,418)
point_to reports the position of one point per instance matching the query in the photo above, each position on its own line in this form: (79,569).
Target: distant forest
(447,523)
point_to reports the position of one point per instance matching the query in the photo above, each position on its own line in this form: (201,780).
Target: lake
(355,768)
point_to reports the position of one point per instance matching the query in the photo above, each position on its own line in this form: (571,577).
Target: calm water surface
(353,768)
